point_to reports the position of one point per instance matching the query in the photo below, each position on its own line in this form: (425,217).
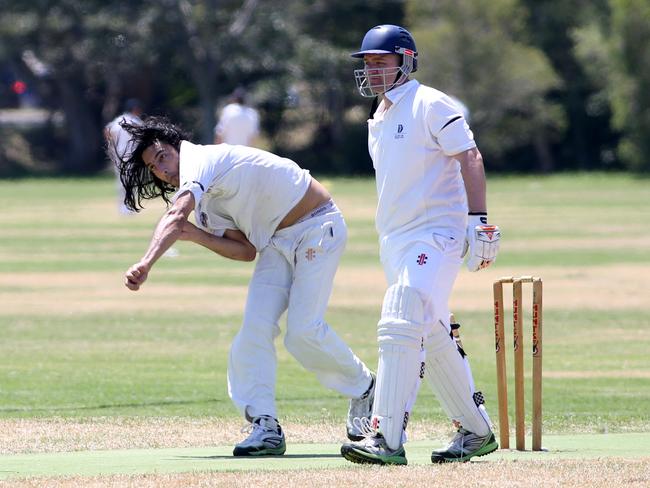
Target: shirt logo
(204,219)
(310,254)
(422,259)
(398,134)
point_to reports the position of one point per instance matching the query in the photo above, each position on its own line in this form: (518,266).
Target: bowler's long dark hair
(138,181)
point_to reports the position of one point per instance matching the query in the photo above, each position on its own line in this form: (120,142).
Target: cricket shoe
(373,448)
(360,408)
(464,446)
(265,438)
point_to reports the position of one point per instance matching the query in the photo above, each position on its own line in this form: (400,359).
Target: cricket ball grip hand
(136,275)
(481,242)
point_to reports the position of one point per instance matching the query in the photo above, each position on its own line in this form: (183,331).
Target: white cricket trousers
(429,263)
(294,273)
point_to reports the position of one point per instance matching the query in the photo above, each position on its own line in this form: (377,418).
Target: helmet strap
(373,107)
(404,71)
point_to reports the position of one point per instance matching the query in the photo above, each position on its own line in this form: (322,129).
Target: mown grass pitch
(77,347)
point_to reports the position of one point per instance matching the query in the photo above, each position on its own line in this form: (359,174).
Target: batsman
(431,213)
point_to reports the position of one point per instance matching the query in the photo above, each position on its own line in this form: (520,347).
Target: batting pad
(450,378)
(468,371)
(401,362)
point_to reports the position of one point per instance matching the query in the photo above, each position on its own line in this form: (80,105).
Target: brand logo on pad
(310,254)
(422,259)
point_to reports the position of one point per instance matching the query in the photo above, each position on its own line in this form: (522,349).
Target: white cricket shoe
(360,408)
(464,446)
(265,438)
(373,450)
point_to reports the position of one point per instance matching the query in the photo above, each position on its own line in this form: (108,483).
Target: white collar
(397,93)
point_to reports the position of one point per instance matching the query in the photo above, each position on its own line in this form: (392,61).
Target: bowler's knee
(299,339)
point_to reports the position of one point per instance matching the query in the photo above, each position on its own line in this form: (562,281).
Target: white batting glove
(481,242)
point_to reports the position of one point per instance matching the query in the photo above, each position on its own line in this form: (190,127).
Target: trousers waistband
(324,208)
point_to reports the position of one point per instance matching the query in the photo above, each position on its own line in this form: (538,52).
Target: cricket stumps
(499,340)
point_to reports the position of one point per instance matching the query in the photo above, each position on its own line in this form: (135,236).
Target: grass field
(87,365)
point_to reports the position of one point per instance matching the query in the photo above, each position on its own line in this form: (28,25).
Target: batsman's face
(381,70)
(162,161)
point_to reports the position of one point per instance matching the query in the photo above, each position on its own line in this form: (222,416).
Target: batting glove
(481,242)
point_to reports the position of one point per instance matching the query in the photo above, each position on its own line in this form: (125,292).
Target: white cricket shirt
(238,124)
(419,184)
(240,187)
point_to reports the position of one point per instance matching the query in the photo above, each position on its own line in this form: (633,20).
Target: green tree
(67,46)
(183,56)
(589,140)
(325,128)
(478,51)
(615,52)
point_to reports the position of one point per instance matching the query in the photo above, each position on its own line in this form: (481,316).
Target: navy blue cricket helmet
(386,39)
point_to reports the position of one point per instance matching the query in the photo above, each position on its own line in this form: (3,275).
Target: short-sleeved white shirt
(419,184)
(238,124)
(120,137)
(240,187)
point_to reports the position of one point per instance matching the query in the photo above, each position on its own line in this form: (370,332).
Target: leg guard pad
(450,378)
(401,362)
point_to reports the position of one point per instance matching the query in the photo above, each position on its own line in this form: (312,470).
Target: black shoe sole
(441,460)
(353,456)
(261,453)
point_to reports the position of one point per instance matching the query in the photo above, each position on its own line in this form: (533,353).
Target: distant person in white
(118,143)
(248,201)
(238,123)
(431,212)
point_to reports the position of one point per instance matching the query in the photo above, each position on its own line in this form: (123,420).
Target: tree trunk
(545,162)
(83,133)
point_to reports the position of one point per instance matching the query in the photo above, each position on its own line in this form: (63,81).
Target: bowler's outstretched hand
(136,275)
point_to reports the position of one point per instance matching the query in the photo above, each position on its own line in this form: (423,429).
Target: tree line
(550,85)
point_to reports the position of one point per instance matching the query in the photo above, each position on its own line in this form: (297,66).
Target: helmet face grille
(376,81)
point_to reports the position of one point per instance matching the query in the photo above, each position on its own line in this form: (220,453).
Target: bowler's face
(162,161)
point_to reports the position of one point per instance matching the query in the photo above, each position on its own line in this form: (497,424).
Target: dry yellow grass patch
(85,292)
(615,287)
(597,473)
(608,242)
(66,435)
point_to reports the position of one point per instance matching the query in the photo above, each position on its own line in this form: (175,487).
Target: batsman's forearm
(473,173)
(476,198)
